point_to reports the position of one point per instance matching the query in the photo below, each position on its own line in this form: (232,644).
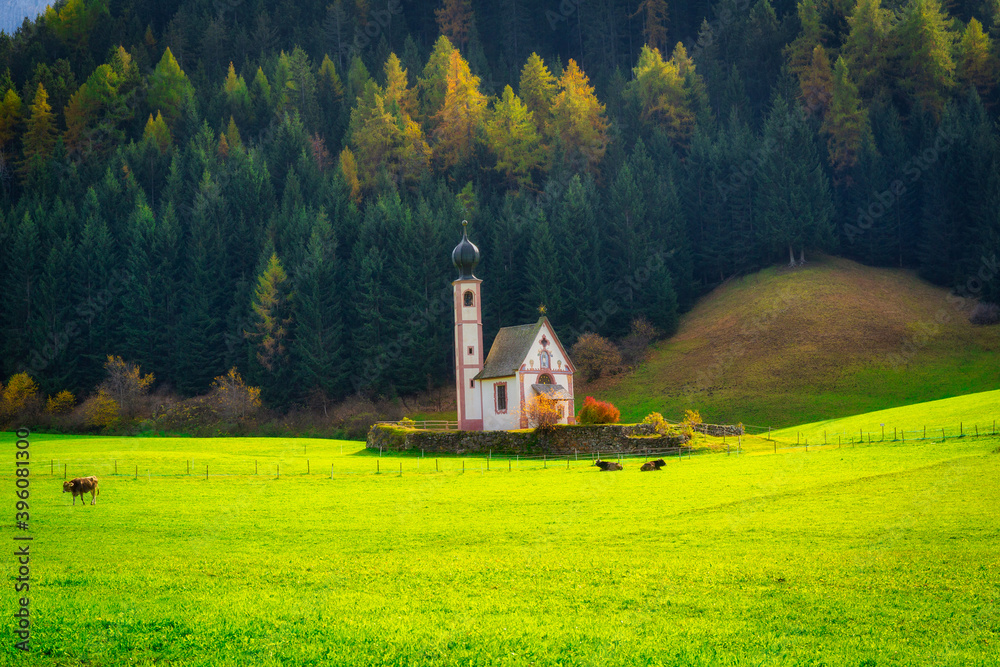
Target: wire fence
(386,462)
(888,433)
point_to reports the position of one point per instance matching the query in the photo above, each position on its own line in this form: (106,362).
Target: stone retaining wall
(561,440)
(718,430)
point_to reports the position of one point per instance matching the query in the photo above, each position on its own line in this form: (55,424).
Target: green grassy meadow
(961,415)
(874,555)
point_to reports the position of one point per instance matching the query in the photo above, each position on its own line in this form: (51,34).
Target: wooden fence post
(307,466)
(52,467)
(331,471)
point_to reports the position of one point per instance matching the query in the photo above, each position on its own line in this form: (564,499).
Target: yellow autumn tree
(578,120)
(331,88)
(816,82)
(232,396)
(40,137)
(454,19)
(349,170)
(272,307)
(19,397)
(125,384)
(846,122)
(976,65)
(10,116)
(433,82)
(61,403)
(157,132)
(512,136)
(461,116)
(654,22)
(236,95)
(658,86)
(396,89)
(385,137)
(542,412)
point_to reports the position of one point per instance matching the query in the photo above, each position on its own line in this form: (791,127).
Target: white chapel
(524,361)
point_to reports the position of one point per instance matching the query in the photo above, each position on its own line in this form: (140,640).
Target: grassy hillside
(968,415)
(830,339)
(874,555)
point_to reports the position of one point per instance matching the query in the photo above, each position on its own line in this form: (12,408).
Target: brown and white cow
(81,485)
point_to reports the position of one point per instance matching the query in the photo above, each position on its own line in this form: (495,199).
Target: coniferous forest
(276,185)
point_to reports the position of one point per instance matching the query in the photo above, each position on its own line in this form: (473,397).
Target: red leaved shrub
(597,412)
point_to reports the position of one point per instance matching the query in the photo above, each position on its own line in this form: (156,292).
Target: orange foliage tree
(597,412)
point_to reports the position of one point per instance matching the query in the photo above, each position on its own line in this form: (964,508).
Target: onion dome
(465,256)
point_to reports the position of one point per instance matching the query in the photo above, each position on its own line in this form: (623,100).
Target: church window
(544,378)
(501,397)
(472,350)
(472,384)
(470,298)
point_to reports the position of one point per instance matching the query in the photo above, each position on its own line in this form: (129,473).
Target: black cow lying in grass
(653,465)
(608,465)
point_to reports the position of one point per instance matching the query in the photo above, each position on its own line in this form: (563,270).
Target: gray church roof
(510,347)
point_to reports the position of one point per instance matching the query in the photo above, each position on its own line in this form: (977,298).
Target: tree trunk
(802,256)
(791,256)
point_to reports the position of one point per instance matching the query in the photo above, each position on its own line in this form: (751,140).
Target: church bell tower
(468,333)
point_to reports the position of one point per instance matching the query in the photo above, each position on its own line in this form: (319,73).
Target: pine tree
(545,283)
(511,135)
(318,350)
(793,200)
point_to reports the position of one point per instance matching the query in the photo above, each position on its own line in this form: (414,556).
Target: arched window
(544,378)
(543,359)
(470,298)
